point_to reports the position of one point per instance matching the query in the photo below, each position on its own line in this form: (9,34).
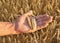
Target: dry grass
(11,9)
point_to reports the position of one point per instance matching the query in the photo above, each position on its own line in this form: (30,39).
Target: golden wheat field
(11,9)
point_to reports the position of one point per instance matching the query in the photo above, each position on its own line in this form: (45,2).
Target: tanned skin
(21,26)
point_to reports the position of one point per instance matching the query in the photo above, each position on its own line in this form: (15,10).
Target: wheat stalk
(32,23)
(29,21)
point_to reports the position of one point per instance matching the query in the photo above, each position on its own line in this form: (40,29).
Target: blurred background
(10,10)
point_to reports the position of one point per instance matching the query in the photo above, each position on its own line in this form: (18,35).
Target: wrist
(13,29)
(15,26)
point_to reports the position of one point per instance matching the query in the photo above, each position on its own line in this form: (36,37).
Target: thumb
(29,13)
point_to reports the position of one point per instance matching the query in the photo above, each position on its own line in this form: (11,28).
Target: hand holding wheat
(25,24)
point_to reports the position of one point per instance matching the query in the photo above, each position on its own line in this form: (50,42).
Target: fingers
(51,19)
(42,22)
(44,18)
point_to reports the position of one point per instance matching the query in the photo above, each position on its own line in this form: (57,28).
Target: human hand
(42,21)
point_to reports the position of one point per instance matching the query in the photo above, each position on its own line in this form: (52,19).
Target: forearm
(7,28)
